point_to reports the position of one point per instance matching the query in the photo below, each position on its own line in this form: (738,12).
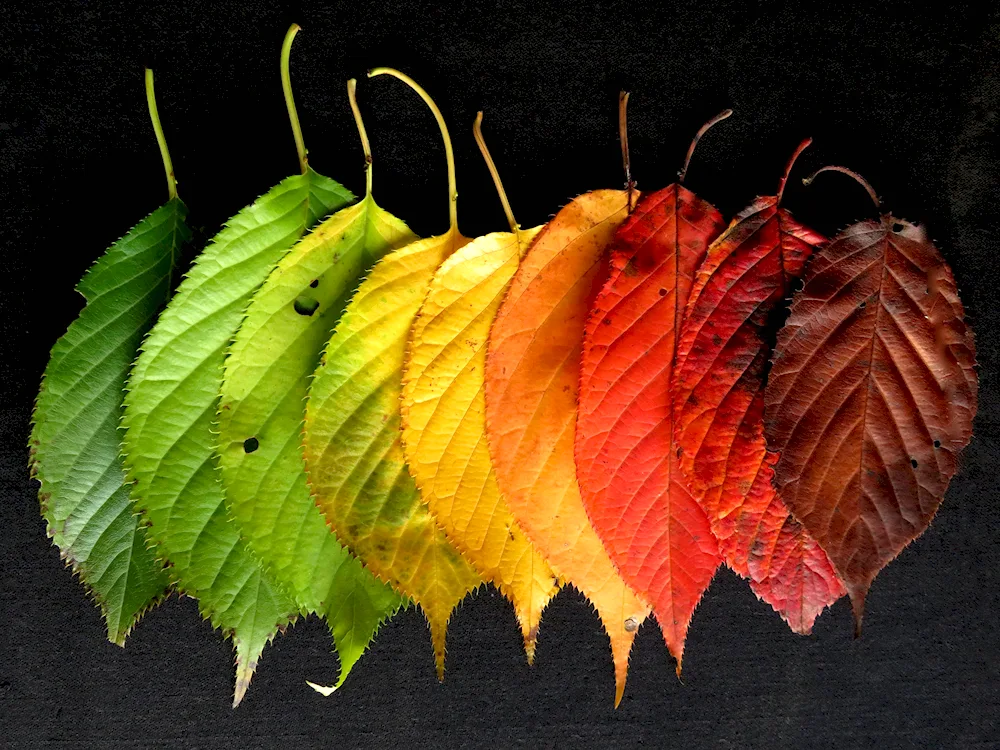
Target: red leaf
(871,395)
(656,534)
(718,391)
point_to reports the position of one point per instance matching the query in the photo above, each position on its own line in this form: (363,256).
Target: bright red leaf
(718,390)
(656,533)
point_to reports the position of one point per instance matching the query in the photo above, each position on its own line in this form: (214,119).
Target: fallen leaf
(532,378)
(353,451)
(170,407)
(262,410)
(444,419)
(871,395)
(626,458)
(75,444)
(719,402)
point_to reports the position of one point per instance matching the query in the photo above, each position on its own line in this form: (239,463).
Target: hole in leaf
(314,283)
(897,227)
(937,443)
(913,463)
(306,305)
(863,305)
(250,445)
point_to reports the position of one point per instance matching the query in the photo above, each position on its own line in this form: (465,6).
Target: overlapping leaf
(871,396)
(353,451)
(627,463)
(718,390)
(75,443)
(532,377)
(444,420)
(262,409)
(170,407)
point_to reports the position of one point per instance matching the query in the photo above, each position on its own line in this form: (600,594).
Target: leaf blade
(878,322)
(718,392)
(169,420)
(444,423)
(532,379)
(263,394)
(639,504)
(75,443)
(368,497)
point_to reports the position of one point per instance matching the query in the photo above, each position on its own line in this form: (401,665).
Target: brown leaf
(871,396)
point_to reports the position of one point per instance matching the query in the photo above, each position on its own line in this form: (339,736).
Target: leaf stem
(448,152)
(788,169)
(352,86)
(623,138)
(154,115)
(286,87)
(697,137)
(850,173)
(477,132)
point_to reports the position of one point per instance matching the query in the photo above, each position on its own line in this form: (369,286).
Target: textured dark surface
(911,98)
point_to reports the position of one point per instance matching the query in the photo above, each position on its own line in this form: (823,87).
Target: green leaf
(260,424)
(75,441)
(170,410)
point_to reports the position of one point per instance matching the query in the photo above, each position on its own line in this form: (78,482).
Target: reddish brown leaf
(657,535)
(718,391)
(871,396)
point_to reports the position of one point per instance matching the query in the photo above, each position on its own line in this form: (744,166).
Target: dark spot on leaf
(306,305)
(314,283)
(716,339)
(250,445)
(680,451)
(663,292)
(629,269)
(606,321)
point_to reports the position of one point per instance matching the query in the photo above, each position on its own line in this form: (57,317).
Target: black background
(909,97)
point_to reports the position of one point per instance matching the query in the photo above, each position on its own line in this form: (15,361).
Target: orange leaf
(532,374)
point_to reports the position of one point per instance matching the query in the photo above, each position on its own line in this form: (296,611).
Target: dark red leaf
(718,391)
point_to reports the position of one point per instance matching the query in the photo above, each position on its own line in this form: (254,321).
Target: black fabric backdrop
(909,97)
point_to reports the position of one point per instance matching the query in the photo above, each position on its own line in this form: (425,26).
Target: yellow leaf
(353,453)
(444,423)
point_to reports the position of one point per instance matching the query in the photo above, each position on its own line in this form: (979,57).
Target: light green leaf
(261,413)
(170,409)
(75,441)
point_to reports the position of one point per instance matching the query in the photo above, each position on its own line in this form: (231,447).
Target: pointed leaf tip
(325,690)
(439,633)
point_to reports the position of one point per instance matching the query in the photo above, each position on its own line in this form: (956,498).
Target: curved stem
(154,115)
(697,137)
(788,169)
(850,173)
(286,87)
(477,132)
(352,86)
(448,153)
(623,138)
